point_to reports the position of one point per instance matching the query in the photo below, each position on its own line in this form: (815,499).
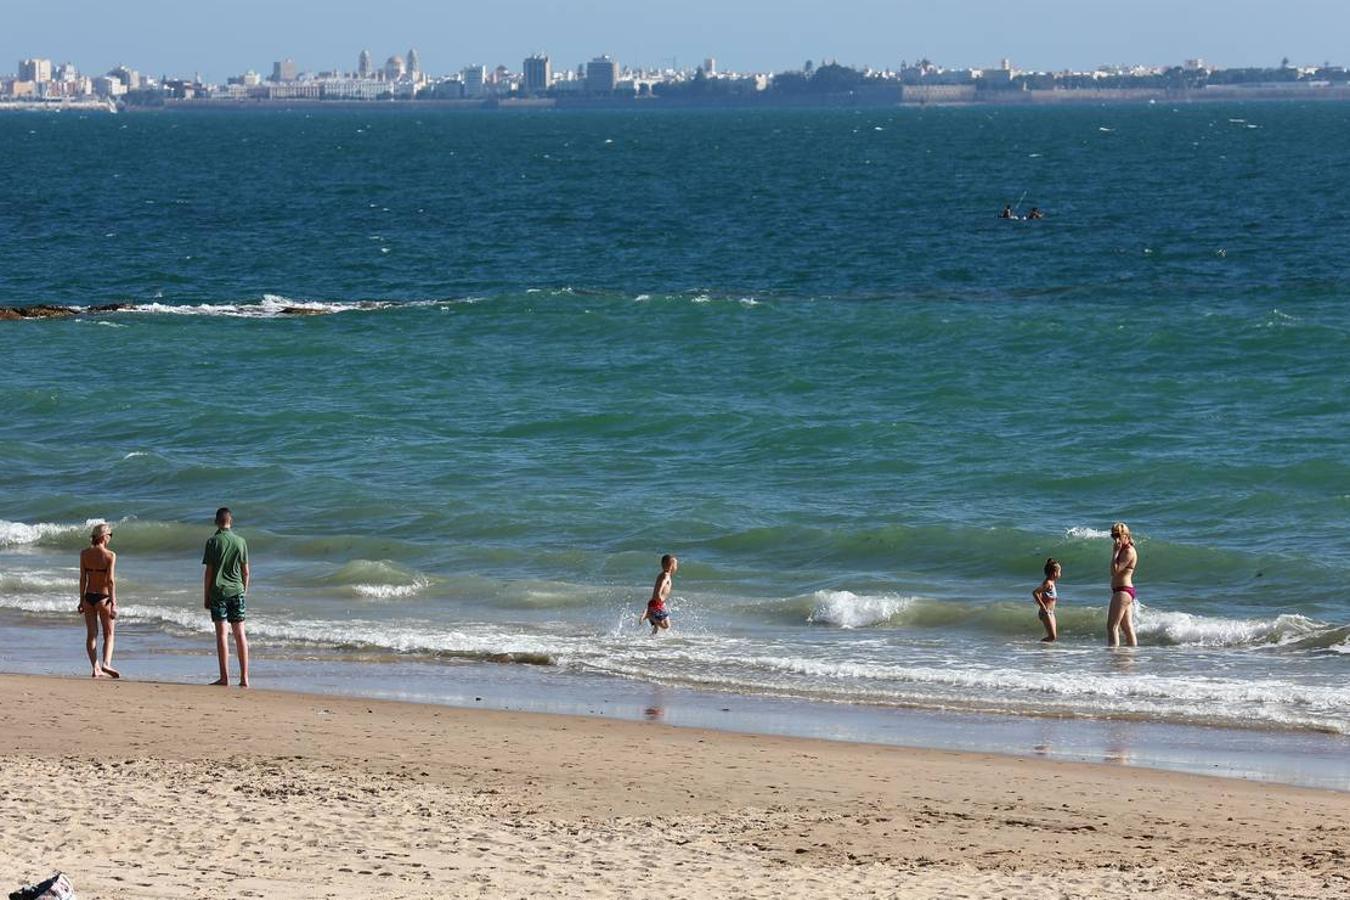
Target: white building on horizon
(475,80)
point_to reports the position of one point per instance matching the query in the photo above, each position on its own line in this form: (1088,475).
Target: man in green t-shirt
(223,590)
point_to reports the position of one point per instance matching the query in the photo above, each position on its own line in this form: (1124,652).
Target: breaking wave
(375,580)
(848,610)
(17,534)
(845,609)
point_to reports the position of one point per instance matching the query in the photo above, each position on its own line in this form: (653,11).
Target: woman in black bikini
(1120,615)
(98,599)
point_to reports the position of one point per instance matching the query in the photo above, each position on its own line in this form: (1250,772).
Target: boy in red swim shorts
(656,612)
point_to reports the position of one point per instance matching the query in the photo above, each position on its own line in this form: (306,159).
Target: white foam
(1085,533)
(1204,631)
(272,306)
(36,604)
(1187,697)
(845,609)
(30,582)
(466,640)
(13,534)
(390,591)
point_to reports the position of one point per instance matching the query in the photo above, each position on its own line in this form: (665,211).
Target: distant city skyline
(751,35)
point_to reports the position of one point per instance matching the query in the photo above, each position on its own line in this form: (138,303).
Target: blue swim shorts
(229,609)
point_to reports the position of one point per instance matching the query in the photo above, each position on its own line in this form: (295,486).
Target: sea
(464,377)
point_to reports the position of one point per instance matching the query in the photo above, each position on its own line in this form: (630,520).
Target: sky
(221,39)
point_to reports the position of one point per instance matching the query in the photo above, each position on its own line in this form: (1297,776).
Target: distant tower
(710,67)
(39,70)
(538,74)
(285,70)
(365,66)
(414,65)
(602,75)
(474,78)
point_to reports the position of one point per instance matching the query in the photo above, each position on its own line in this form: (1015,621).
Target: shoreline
(1036,99)
(1278,756)
(159,790)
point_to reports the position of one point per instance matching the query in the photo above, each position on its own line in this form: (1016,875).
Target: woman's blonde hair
(99,531)
(1123,530)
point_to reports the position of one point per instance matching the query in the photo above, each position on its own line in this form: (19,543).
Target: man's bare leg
(109,631)
(223,655)
(241,649)
(91,640)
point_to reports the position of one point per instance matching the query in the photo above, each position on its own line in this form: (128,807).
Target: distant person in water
(224,585)
(656,612)
(1035,213)
(1007,212)
(98,599)
(1120,615)
(1046,596)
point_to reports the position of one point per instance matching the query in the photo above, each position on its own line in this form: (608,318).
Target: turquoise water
(794,348)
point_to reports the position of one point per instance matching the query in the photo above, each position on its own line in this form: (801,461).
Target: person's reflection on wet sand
(1117,750)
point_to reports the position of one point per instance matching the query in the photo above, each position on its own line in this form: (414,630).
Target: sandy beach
(156,790)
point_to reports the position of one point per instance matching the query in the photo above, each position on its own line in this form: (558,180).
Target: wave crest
(271,306)
(376,579)
(1189,630)
(17,534)
(845,609)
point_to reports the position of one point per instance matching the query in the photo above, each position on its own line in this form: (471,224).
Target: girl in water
(1120,615)
(98,599)
(1045,597)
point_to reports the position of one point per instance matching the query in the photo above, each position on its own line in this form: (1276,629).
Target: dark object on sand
(58,887)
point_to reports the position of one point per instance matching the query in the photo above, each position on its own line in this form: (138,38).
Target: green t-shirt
(227,554)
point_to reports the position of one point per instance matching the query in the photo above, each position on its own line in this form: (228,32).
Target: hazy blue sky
(219,39)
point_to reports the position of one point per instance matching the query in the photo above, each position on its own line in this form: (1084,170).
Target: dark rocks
(50,311)
(38,312)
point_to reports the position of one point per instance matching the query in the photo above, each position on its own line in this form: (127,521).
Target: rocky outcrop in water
(49,311)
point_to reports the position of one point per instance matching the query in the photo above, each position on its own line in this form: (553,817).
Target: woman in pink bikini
(1120,615)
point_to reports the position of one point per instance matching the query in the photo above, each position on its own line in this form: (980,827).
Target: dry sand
(151,790)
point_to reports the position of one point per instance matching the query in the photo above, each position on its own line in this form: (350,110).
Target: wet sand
(159,790)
